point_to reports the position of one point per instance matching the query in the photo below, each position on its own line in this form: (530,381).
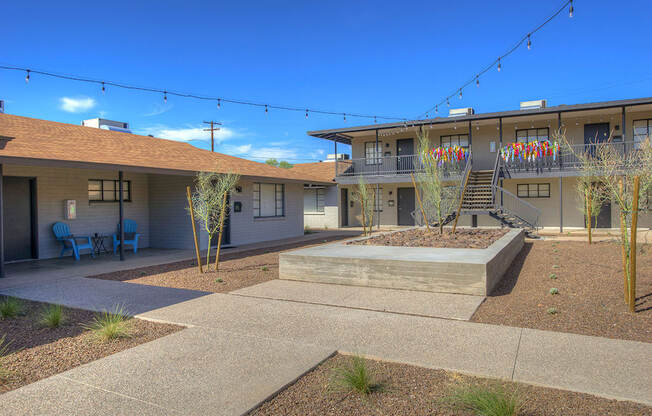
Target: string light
(529,42)
(103,88)
(499,65)
(460,93)
(344,114)
(570,9)
(375,121)
(219,103)
(165,97)
(437,109)
(448,103)
(477,81)
(27,77)
(266,111)
(306,113)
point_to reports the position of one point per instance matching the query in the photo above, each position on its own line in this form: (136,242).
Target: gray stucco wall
(330,217)
(169,221)
(55,185)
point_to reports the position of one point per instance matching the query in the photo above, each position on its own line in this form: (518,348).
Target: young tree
(365,196)
(591,191)
(209,203)
(439,200)
(225,184)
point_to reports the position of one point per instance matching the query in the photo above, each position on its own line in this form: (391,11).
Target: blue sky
(385,58)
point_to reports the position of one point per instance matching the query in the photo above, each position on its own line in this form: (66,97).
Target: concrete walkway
(240,349)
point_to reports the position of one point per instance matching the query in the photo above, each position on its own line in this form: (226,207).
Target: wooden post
(194,229)
(587,196)
(632,248)
(623,236)
(219,238)
(423,212)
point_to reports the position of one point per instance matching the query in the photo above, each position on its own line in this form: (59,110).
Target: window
(269,200)
(461,140)
(532,135)
(378,201)
(642,130)
(313,201)
(106,190)
(372,154)
(533,190)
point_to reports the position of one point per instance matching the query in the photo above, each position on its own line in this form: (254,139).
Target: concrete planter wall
(467,271)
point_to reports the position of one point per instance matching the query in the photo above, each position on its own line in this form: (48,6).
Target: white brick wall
(55,185)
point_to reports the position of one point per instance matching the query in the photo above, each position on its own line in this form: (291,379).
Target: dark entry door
(405,153)
(595,133)
(405,206)
(345,207)
(18,205)
(603,219)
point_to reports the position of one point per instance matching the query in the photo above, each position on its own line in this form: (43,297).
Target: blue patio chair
(131,236)
(69,242)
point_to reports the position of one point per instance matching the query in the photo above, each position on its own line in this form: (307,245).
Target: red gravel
(37,352)
(463,238)
(408,390)
(591,295)
(237,270)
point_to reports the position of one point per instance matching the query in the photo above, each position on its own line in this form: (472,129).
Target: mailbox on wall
(70,209)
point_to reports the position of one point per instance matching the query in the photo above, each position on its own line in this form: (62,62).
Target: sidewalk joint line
(518,347)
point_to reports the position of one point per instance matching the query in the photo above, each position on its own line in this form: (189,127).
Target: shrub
(52,316)
(553,276)
(110,325)
(354,377)
(4,351)
(554,291)
(265,269)
(219,280)
(552,311)
(10,308)
(486,401)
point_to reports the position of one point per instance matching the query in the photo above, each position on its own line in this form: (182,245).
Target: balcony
(388,169)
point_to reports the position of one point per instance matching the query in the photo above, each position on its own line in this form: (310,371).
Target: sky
(373,57)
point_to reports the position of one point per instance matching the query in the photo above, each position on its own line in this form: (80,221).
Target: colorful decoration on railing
(451,154)
(530,152)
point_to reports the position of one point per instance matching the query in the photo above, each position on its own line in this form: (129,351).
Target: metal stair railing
(516,207)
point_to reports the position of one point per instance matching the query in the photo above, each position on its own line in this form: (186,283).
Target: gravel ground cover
(463,238)
(589,283)
(409,390)
(37,352)
(237,270)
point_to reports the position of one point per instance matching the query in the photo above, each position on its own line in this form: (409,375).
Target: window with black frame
(532,135)
(313,201)
(372,154)
(269,200)
(533,190)
(108,190)
(461,140)
(642,131)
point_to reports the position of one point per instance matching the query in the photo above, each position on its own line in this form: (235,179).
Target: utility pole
(212,129)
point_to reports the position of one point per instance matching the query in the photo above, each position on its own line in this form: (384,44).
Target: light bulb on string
(460,93)
(27,77)
(306,113)
(571,9)
(436,109)
(375,121)
(219,103)
(103,88)
(529,42)
(266,110)
(477,81)
(499,67)
(344,115)
(165,97)
(448,103)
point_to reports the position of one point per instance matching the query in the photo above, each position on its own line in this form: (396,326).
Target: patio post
(335,141)
(377,201)
(122,220)
(500,146)
(561,190)
(2,245)
(623,129)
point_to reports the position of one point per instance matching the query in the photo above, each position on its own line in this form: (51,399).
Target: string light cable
(220,101)
(527,39)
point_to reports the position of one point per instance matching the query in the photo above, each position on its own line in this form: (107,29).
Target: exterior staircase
(478,194)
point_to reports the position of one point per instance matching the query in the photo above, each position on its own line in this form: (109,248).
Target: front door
(595,133)
(603,219)
(405,155)
(345,207)
(18,203)
(405,206)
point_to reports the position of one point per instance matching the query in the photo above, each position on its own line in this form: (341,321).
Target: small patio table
(98,243)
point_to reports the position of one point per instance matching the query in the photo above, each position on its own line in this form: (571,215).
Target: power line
(497,63)
(219,100)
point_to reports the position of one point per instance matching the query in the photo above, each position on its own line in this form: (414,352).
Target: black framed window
(313,201)
(461,140)
(642,130)
(107,190)
(532,135)
(372,153)
(269,200)
(533,190)
(378,200)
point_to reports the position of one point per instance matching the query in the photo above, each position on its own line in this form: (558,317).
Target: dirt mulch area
(591,295)
(237,270)
(37,352)
(408,390)
(463,238)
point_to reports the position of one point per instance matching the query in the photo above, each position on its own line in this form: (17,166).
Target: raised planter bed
(471,271)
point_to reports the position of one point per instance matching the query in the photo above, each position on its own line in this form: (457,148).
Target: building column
(335,141)
(2,241)
(623,128)
(122,220)
(378,161)
(561,206)
(500,146)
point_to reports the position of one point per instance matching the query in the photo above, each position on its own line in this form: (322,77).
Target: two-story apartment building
(540,191)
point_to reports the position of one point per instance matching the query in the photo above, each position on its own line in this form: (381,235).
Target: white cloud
(259,153)
(188,133)
(159,109)
(76,105)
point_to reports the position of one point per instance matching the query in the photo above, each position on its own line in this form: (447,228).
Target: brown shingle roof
(321,170)
(48,140)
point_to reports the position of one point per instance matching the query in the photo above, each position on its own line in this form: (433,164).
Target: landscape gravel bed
(420,237)
(589,283)
(37,352)
(409,390)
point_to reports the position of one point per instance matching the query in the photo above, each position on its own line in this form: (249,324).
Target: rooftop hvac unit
(533,105)
(459,112)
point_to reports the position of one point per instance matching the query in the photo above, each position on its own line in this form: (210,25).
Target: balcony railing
(391,166)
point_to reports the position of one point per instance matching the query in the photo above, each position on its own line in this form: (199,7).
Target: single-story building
(320,201)
(55,172)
